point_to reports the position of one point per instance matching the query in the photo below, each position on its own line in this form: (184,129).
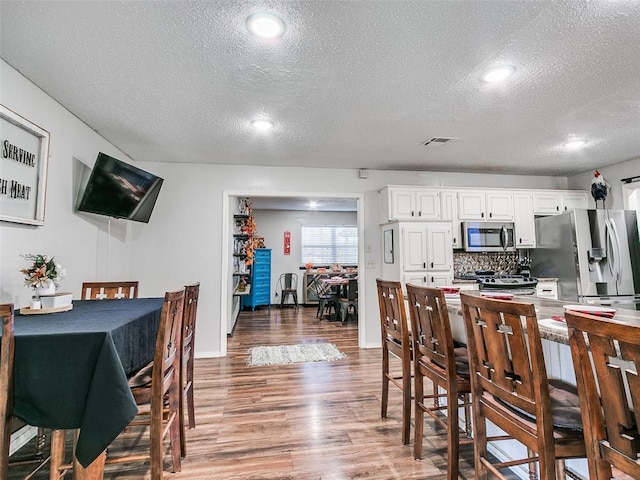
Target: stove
(516,284)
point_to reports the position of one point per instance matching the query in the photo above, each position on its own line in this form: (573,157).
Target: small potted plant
(44,274)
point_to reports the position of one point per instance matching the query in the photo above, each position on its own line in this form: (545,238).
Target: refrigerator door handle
(616,245)
(611,258)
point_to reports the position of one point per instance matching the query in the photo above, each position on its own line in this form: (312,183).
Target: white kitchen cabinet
(524,220)
(426,246)
(449,212)
(409,203)
(422,253)
(550,202)
(482,205)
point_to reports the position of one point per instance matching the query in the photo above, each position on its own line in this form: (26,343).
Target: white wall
(186,239)
(272,224)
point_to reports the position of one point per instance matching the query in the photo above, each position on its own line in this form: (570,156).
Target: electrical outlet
(370,263)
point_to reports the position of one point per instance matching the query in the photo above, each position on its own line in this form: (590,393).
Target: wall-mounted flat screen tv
(119,190)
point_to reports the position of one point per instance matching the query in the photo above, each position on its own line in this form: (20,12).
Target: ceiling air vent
(438,141)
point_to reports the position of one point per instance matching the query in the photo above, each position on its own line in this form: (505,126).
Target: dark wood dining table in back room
(71,369)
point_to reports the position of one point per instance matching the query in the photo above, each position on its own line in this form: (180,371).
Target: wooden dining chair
(436,359)
(7,355)
(8,423)
(606,360)
(510,388)
(190,311)
(157,390)
(109,290)
(395,341)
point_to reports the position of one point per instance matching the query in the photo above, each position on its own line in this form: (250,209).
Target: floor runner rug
(283,354)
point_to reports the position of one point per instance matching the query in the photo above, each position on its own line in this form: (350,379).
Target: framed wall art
(388,246)
(24,158)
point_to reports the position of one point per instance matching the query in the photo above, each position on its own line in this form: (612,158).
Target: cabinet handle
(412,214)
(565,208)
(424,279)
(420,213)
(482,215)
(520,240)
(490,214)
(431,264)
(557,208)
(454,240)
(424,265)
(432,280)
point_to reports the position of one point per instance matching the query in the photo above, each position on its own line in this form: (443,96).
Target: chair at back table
(611,421)
(288,287)
(9,423)
(510,388)
(107,290)
(435,358)
(186,366)
(396,341)
(157,390)
(326,296)
(350,301)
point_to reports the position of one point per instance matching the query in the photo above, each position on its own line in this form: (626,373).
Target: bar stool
(395,341)
(612,420)
(510,388)
(435,358)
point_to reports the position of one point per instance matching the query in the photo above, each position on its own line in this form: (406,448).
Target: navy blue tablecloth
(71,367)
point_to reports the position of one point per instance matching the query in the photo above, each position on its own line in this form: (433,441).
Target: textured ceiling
(351,84)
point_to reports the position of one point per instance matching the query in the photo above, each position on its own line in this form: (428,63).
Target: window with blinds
(329,244)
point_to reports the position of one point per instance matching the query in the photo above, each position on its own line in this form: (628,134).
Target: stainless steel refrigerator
(595,254)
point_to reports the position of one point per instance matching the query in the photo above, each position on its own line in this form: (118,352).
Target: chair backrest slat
(393,317)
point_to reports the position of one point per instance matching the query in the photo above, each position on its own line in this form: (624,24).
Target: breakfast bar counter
(546,309)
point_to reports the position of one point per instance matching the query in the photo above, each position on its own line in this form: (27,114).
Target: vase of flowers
(44,274)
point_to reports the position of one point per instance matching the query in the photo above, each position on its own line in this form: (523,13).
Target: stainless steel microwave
(488,237)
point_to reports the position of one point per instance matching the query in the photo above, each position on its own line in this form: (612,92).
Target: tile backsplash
(465,263)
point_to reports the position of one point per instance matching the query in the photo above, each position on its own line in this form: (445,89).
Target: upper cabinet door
(449,212)
(546,203)
(524,220)
(571,200)
(471,205)
(499,206)
(428,205)
(403,204)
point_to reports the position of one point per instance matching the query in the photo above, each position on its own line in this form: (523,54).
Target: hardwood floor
(311,421)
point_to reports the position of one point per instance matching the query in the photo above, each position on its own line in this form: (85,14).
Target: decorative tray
(41,311)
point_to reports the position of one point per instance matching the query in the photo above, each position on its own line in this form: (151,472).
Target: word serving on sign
(24,153)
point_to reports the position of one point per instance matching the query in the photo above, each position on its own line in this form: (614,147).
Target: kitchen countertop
(546,309)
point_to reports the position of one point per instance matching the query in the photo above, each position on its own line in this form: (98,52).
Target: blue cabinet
(260,280)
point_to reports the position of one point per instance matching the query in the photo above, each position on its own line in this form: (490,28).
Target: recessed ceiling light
(265,25)
(262,125)
(574,144)
(313,204)
(498,74)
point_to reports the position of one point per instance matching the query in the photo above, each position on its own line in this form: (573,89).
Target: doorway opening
(270,212)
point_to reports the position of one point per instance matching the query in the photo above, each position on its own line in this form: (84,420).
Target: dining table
(72,369)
